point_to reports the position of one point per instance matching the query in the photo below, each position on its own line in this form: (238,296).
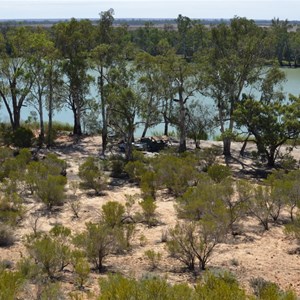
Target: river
(291,86)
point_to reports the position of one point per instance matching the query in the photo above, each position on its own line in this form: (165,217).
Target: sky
(201,9)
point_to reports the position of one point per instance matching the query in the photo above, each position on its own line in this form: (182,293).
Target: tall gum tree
(15,77)
(185,83)
(150,81)
(102,59)
(124,103)
(74,39)
(232,62)
(281,42)
(47,81)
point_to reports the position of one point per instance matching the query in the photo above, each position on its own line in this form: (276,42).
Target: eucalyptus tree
(294,42)
(56,91)
(200,122)
(191,35)
(74,39)
(47,79)
(166,85)
(147,37)
(149,79)
(184,79)
(102,59)
(16,79)
(124,103)
(272,119)
(280,34)
(232,62)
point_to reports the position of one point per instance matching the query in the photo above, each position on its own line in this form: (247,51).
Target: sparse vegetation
(229,204)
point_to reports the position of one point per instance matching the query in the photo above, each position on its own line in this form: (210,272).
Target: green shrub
(6,134)
(11,206)
(42,175)
(175,173)
(208,155)
(50,251)
(118,163)
(222,286)
(135,170)
(293,229)
(10,285)
(82,271)
(5,152)
(218,172)
(54,165)
(51,290)
(213,287)
(22,137)
(7,237)
(149,206)
(51,190)
(92,176)
(266,290)
(29,269)
(97,242)
(148,184)
(153,257)
(13,167)
(112,214)
(147,288)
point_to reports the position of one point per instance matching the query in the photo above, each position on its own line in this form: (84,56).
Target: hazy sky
(41,9)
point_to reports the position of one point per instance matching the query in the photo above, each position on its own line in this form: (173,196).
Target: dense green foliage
(149,75)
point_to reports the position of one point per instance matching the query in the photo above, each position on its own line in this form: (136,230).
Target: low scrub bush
(148,215)
(218,172)
(11,284)
(153,257)
(7,237)
(92,175)
(117,163)
(22,137)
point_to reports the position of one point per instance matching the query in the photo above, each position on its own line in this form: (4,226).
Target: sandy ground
(252,254)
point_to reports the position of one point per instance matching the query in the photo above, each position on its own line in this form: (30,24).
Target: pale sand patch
(253,254)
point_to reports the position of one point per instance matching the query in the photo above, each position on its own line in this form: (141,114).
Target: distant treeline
(135,22)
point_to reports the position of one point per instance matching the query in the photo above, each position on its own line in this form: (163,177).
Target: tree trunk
(50,113)
(166,128)
(11,119)
(242,152)
(103,112)
(77,125)
(227,146)
(128,149)
(271,158)
(265,224)
(166,119)
(202,264)
(100,264)
(42,129)
(16,119)
(182,129)
(15,106)
(145,130)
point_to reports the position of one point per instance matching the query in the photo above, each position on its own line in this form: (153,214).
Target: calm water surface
(291,86)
